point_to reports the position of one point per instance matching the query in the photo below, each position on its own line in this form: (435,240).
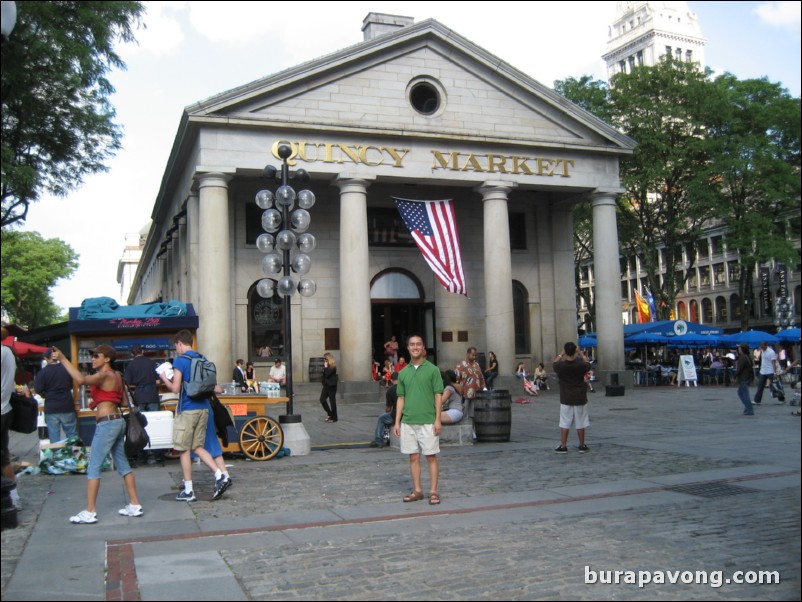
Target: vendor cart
(254,433)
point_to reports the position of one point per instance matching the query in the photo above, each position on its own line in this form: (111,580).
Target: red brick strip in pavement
(121,577)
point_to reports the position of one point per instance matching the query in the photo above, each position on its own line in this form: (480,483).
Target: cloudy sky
(190,51)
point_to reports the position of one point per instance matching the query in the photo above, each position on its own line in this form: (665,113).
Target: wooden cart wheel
(261,438)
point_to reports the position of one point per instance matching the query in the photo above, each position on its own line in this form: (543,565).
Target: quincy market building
(415,111)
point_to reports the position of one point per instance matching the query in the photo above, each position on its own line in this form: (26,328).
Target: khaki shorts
(419,439)
(189,429)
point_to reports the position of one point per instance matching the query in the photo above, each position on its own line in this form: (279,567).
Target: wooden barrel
(315,369)
(492,415)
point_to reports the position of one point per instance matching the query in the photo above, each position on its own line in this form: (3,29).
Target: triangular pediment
(366,88)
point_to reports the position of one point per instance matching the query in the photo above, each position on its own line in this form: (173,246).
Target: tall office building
(645,31)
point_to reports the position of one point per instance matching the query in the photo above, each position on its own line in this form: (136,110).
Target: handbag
(136,437)
(25,413)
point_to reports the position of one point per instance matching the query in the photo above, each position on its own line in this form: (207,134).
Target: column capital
(350,184)
(495,190)
(212,178)
(605,197)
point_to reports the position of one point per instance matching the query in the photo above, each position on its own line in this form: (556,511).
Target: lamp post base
(295,436)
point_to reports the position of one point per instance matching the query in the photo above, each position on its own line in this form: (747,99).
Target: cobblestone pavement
(676,480)
(541,559)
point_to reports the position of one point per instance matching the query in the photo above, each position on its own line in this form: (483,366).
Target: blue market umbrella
(693,340)
(789,335)
(585,342)
(646,338)
(753,338)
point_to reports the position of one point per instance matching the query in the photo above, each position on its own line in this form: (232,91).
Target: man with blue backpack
(195,378)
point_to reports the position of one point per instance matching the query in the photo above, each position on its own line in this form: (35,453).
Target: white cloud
(162,33)
(786,15)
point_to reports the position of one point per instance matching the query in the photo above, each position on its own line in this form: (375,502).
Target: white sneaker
(131,510)
(84,517)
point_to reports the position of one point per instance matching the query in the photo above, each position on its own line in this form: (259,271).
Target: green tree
(593,95)
(672,188)
(758,158)
(57,121)
(30,266)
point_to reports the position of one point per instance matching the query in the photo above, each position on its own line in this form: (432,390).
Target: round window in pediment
(426,96)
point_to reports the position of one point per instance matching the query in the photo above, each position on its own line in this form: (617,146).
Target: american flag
(433,226)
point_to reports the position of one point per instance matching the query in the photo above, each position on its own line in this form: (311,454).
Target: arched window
(395,284)
(694,308)
(735,307)
(682,311)
(707,311)
(265,325)
(520,311)
(721,310)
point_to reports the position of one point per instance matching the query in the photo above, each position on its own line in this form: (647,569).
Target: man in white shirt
(768,368)
(278,373)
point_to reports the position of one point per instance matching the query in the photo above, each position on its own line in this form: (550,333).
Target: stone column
(499,317)
(609,327)
(183,254)
(563,282)
(355,343)
(214,273)
(193,226)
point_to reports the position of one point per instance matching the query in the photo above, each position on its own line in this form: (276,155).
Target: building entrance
(401,319)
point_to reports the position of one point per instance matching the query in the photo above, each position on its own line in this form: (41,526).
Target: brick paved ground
(517,521)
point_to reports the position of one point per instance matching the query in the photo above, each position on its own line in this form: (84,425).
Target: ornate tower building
(645,31)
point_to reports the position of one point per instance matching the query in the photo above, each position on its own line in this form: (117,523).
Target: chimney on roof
(376,24)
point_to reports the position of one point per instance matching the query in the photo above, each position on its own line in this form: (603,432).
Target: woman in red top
(108,393)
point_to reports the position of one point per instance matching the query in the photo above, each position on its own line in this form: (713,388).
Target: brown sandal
(434,499)
(414,496)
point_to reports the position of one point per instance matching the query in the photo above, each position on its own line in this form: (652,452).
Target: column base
(295,436)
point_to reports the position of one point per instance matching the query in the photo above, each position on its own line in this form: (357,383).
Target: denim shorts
(109,437)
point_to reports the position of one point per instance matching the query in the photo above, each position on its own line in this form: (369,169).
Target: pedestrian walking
(328,396)
(192,417)
(108,396)
(744,373)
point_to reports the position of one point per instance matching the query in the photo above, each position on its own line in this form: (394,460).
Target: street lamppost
(286,245)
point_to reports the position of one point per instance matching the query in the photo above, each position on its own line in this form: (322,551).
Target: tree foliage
(57,122)
(30,266)
(672,189)
(708,151)
(758,158)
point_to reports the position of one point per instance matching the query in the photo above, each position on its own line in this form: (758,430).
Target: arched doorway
(398,309)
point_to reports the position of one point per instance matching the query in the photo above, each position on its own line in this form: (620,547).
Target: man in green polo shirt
(417,417)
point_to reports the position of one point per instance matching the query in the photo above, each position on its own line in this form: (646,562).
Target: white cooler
(160,429)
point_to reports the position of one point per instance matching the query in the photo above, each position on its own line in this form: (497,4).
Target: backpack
(202,378)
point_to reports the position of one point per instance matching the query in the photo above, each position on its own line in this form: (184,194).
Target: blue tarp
(106,308)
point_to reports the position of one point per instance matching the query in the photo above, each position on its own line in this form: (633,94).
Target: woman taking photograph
(108,395)
(329,391)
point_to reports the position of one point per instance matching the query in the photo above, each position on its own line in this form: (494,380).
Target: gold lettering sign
(375,156)
(492,163)
(326,152)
